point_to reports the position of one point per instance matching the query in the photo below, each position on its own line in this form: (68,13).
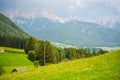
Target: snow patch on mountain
(109,23)
(16,15)
(12,14)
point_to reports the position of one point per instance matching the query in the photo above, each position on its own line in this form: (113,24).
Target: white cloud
(61,10)
(115,4)
(12,14)
(78,3)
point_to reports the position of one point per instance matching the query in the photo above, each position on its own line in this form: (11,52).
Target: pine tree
(71,53)
(60,54)
(30,44)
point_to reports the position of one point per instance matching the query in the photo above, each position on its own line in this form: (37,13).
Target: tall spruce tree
(30,44)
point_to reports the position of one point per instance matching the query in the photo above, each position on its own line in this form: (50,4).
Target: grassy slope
(13,58)
(104,67)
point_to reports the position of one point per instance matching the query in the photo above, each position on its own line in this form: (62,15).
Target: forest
(43,52)
(10,34)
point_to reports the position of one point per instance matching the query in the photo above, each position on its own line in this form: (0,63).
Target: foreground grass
(103,67)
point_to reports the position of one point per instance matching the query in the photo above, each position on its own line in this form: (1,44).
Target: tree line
(12,41)
(43,52)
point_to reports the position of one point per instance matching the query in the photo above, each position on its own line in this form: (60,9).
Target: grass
(103,67)
(109,48)
(13,58)
(12,49)
(62,45)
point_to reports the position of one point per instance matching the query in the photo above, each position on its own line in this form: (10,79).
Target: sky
(85,10)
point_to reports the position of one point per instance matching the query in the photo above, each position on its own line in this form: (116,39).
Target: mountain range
(74,32)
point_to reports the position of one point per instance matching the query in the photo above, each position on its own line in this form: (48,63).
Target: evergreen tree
(88,53)
(81,52)
(94,53)
(60,54)
(71,53)
(30,44)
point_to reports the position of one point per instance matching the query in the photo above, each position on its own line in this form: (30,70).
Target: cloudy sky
(86,10)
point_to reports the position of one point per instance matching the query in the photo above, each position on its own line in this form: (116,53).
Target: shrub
(36,63)
(31,55)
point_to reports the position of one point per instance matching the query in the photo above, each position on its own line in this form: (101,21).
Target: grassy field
(13,58)
(62,45)
(109,48)
(15,50)
(103,67)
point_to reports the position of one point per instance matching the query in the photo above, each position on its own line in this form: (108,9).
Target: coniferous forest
(10,34)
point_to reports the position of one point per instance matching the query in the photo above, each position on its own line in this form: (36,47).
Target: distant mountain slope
(78,33)
(10,34)
(8,28)
(117,26)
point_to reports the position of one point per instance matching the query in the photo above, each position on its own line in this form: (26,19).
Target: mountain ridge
(74,32)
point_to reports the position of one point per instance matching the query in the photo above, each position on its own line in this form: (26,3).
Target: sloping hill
(10,34)
(103,67)
(13,58)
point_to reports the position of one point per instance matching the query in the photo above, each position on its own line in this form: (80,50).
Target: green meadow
(102,67)
(13,58)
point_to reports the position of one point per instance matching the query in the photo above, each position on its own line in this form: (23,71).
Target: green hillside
(13,58)
(10,34)
(8,28)
(103,67)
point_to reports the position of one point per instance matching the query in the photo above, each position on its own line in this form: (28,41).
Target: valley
(60,40)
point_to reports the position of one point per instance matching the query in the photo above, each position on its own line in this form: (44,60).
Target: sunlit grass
(12,49)
(12,59)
